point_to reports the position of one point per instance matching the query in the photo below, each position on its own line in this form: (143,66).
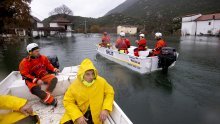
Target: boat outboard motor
(166,57)
(54,61)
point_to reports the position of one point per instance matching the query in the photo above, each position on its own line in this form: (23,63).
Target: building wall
(40,25)
(205,27)
(129,30)
(216,27)
(188,28)
(54,25)
(37,33)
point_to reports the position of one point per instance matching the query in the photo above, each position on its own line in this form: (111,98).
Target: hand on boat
(27,109)
(104,115)
(40,82)
(57,70)
(81,120)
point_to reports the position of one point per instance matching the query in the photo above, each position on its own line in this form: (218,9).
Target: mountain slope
(159,14)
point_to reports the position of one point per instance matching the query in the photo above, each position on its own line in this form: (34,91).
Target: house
(61,26)
(37,27)
(132,30)
(199,24)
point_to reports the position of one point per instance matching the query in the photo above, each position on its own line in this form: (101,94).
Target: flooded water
(188,94)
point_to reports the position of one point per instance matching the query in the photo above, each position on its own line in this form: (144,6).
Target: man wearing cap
(141,44)
(159,45)
(122,43)
(34,70)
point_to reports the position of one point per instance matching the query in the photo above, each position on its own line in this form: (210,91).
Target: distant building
(37,27)
(127,29)
(199,24)
(61,26)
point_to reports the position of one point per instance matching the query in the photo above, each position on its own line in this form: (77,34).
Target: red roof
(215,16)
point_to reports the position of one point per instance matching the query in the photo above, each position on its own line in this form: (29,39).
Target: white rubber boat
(14,85)
(141,64)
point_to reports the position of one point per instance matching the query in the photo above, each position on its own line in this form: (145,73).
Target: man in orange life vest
(141,45)
(105,40)
(122,43)
(159,45)
(33,69)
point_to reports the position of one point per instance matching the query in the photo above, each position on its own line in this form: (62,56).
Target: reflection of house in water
(61,27)
(198,24)
(37,27)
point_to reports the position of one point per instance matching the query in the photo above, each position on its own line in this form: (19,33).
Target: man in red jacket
(141,45)
(34,70)
(159,45)
(122,43)
(105,40)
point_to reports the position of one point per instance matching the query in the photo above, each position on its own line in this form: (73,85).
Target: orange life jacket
(31,68)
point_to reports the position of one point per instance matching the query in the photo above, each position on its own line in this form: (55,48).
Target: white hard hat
(141,35)
(158,34)
(122,34)
(32,46)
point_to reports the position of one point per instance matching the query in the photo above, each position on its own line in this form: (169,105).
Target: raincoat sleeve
(108,98)
(25,72)
(70,106)
(48,64)
(11,102)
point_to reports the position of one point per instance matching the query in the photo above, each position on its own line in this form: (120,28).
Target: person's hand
(56,70)
(40,82)
(104,115)
(26,109)
(81,120)
(136,41)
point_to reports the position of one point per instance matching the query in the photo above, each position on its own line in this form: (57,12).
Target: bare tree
(62,10)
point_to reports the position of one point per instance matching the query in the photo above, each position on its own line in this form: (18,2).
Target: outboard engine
(166,57)
(54,61)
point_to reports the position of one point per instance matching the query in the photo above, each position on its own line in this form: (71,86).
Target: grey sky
(85,8)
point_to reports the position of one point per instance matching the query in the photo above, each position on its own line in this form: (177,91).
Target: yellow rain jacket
(11,103)
(79,98)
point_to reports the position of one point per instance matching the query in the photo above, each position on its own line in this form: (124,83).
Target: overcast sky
(85,8)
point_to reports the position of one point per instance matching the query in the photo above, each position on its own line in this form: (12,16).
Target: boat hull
(142,65)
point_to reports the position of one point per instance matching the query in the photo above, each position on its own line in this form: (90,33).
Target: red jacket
(142,44)
(32,69)
(160,43)
(105,40)
(122,44)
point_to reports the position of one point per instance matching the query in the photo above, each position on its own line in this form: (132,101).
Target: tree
(95,29)
(14,14)
(62,10)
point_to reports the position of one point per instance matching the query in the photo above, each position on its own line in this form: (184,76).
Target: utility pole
(85,27)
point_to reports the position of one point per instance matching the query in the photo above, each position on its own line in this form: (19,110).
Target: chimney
(213,17)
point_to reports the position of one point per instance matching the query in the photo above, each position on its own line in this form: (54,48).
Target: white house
(127,29)
(61,26)
(199,24)
(38,26)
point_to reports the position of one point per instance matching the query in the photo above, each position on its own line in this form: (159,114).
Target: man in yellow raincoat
(16,110)
(89,99)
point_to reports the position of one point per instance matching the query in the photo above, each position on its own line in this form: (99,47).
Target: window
(210,23)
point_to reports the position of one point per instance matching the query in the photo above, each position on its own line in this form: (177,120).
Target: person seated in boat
(122,43)
(18,111)
(105,40)
(89,99)
(159,45)
(141,44)
(33,69)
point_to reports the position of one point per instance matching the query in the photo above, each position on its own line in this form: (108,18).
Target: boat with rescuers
(141,64)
